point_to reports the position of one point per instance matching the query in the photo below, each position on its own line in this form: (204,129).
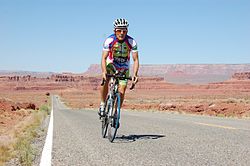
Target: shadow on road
(132,138)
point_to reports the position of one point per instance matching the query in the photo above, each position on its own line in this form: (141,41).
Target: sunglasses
(121,30)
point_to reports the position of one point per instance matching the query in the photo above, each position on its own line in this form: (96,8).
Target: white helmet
(120,23)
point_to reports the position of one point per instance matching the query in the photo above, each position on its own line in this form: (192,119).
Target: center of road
(214,125)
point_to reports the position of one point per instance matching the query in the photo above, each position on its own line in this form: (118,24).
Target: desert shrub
(45,108)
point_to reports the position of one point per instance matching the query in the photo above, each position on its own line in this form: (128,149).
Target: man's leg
(104,89)
(103,93)
(122,90)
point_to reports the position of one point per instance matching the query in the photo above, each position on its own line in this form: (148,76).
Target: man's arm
(136,65)
(103,63)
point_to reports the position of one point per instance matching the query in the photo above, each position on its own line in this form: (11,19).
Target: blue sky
(67,35)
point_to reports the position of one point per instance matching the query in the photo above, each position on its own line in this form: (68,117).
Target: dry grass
(20,127)
(25,151)
(5,153)
(21,146)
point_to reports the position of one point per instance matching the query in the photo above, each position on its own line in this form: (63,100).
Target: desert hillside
(82,91)
(185,73)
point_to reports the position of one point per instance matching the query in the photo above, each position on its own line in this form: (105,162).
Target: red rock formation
(8,105)
(241,76)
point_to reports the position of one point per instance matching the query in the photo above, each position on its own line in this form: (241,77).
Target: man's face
(121,33)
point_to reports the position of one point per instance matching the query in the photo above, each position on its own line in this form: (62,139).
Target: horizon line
(34,71)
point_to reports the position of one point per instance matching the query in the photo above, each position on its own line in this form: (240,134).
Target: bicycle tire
(104,126)
(105,119)
(114,120)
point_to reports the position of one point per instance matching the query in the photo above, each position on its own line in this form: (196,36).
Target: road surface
(149,138)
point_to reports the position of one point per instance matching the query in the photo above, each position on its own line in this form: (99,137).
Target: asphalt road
(149,138)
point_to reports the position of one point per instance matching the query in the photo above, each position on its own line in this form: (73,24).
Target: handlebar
(119,77)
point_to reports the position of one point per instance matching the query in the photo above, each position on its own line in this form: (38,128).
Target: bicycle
(111,118)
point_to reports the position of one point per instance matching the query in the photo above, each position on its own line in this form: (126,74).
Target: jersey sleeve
(133,44)
(107,44)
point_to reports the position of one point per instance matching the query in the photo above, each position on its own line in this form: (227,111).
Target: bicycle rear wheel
(114,119)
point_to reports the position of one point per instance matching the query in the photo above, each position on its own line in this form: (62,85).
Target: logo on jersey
(120,60)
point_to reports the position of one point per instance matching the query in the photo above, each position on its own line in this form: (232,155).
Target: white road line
(47,149)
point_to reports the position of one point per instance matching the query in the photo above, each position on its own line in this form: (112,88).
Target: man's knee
(122,89)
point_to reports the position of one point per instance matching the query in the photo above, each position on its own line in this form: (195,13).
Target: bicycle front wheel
(105,120)
(114,119)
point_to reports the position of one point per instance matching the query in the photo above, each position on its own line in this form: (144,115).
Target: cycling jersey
(119,51)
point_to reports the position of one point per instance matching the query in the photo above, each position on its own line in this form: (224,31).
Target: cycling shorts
(111,70)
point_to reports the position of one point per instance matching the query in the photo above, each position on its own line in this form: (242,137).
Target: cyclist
(116,57)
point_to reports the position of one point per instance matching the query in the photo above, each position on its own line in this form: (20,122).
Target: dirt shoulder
(19,121)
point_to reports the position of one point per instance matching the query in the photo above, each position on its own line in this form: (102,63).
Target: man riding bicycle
(116,57)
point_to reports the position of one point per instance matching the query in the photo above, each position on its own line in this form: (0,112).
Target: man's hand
(104,77)
(135,79)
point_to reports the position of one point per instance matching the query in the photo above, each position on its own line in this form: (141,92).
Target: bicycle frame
(113,89)
(113,92)
(111,120)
